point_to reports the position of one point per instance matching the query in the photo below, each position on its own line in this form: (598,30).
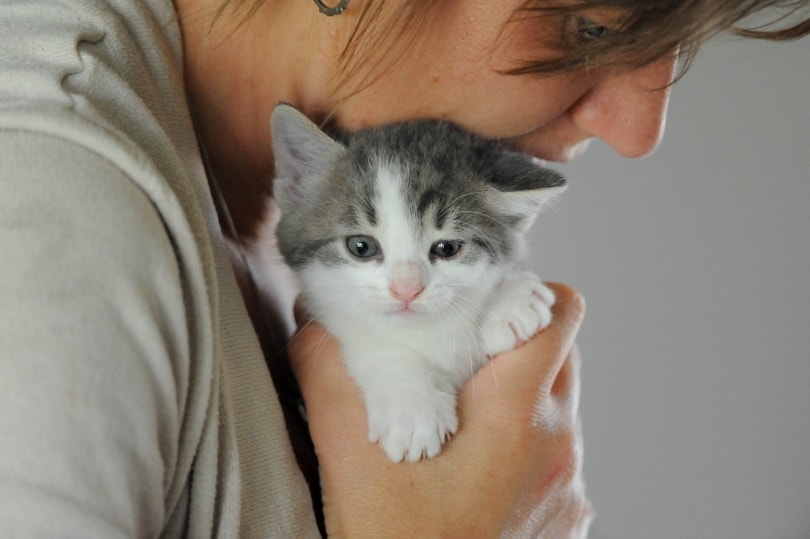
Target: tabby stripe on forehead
(371,213)
(361,208)
(368,197)
(430,198)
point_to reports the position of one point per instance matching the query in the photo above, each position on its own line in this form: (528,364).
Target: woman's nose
(627,109)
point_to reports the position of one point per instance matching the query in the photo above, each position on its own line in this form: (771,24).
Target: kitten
(405,239)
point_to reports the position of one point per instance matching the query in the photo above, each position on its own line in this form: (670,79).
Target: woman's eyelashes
(588,30)
(580,28)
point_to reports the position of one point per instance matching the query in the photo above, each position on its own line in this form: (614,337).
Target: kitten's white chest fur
(405,242)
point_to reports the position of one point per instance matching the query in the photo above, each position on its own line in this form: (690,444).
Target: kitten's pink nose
(406,290)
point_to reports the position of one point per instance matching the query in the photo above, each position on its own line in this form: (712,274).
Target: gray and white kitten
(405,239)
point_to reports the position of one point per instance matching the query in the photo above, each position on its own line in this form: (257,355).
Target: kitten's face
(402,255)
(403,222)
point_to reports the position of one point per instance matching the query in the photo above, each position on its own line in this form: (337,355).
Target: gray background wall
(695,264)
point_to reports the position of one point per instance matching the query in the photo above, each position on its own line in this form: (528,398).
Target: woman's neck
(233,85)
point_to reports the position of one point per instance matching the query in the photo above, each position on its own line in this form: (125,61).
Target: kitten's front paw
(411,428)
(520,308)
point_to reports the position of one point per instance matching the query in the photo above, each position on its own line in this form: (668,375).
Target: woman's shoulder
(95,344)
(93,95)
(106,75)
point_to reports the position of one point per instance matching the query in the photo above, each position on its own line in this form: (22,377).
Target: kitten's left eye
(363,247)
(445,248)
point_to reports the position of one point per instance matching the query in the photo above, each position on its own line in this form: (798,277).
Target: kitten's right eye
(363,247)
(445,248)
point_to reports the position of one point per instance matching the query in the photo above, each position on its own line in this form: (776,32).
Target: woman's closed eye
(587,30)
(593,24)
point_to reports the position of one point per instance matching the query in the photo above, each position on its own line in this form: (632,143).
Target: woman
(136,400)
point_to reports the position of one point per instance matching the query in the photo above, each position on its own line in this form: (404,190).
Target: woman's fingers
(532,468)
(529,373)
(565,390)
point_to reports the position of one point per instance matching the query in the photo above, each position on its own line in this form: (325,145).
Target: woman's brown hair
(647,31)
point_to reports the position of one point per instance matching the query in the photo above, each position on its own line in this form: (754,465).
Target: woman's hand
(513,469)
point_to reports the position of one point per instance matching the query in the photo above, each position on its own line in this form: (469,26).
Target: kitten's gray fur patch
(475,188)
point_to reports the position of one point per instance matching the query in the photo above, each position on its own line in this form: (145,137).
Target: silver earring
(329,11)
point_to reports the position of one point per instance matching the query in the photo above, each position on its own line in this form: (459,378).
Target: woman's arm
(93,347)
(513,469)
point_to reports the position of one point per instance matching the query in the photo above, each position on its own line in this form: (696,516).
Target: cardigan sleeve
(94,346)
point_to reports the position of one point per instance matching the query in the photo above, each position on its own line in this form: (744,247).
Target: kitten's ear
(302,153)
(523,186)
